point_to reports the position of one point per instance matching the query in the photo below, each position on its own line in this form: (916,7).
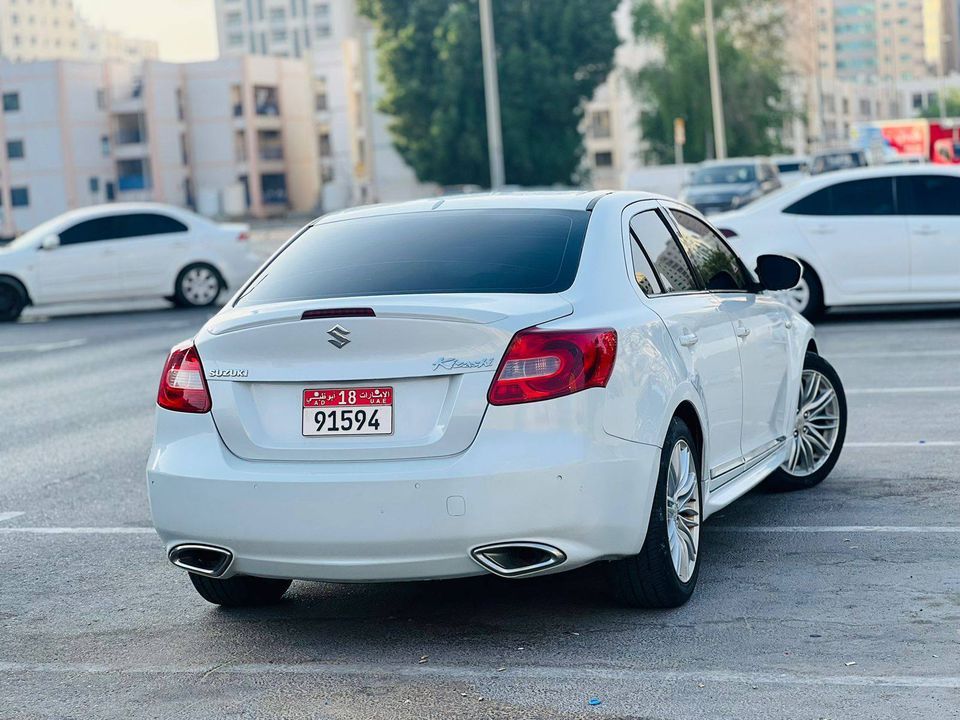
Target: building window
(320,102)
(15,150)
(324,143)
(19,197)
(603,159)
(600,124)
(278,36)
(11,102)
(266,100)
(234,18)
(105,145)
(94,186)
(321,10)
(101,99)
(235,39)
(278,15)
(323,31)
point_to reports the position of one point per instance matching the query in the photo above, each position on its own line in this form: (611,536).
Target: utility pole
(491,93)
(716,98)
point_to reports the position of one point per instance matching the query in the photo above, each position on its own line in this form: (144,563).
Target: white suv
(508,384)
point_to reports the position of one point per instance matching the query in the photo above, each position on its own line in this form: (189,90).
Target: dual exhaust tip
(207,560)
(516,559)
(509,560)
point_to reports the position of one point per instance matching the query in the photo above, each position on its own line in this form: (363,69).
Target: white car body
(861,259)
(123,268)
(576,473)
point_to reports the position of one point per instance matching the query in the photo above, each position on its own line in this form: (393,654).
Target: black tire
(781,479)
(815,307)
(240,590)
(648,579)
(185,298)
(12,300)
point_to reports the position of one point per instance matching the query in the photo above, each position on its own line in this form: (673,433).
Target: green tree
(752,73)
(552,54)
(951,100)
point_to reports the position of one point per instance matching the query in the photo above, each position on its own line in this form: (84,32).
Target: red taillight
(543,364)
(182,385)
(728,233)
(243,237)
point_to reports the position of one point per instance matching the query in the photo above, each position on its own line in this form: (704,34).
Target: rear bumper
(587,494)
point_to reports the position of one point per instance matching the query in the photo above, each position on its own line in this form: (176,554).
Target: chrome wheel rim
(683,510)
(200,286)
(816,427)
(797,298)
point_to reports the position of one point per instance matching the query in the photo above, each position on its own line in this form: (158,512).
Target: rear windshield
(452,251)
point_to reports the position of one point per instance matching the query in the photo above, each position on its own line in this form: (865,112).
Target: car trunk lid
(438,353)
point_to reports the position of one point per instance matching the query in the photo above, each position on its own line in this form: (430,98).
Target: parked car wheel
(819,430)
(807,297)
(240,590)
(664,573)
(198,285)
(12,300)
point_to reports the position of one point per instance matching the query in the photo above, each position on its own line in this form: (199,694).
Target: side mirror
(777,272)
(49,242)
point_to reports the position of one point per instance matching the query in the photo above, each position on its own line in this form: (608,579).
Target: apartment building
(358,160)
(32,30)
(235,136)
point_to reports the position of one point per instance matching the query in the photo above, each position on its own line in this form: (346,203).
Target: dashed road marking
(881,354)
(903,390)
(903,444)
(44,347)
(77,531)
(908,529)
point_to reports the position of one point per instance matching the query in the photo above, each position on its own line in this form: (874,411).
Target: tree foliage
(751,59)
(551,56)
(951,101)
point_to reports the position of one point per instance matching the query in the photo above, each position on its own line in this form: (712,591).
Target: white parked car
(508,384)
(887,234)
(121,251)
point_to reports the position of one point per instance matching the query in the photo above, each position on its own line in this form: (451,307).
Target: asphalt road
(840,602)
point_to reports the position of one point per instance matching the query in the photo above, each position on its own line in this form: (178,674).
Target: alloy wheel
(816,427)
(200,286)
(683,510)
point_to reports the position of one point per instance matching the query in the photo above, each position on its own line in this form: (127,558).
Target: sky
(185,29)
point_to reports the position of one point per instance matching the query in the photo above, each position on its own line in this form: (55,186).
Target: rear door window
(142,224)
(873,196)
(452,251)
(928,194)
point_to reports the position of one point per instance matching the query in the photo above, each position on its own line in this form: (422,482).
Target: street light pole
(716,98)
(491,93)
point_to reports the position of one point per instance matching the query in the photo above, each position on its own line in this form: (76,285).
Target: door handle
(688,339)
(926,230)
(823,230)
(741,330)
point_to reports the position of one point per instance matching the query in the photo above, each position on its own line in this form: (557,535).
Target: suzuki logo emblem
(338,336)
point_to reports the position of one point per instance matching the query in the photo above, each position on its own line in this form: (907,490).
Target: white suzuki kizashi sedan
(508,384)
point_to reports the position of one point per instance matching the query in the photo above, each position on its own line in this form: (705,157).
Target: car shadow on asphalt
(889,313)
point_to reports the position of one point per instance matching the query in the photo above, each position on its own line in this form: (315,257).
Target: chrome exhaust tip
(515,559)
(205,560)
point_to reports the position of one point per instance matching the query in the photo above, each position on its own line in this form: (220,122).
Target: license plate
(348,411)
